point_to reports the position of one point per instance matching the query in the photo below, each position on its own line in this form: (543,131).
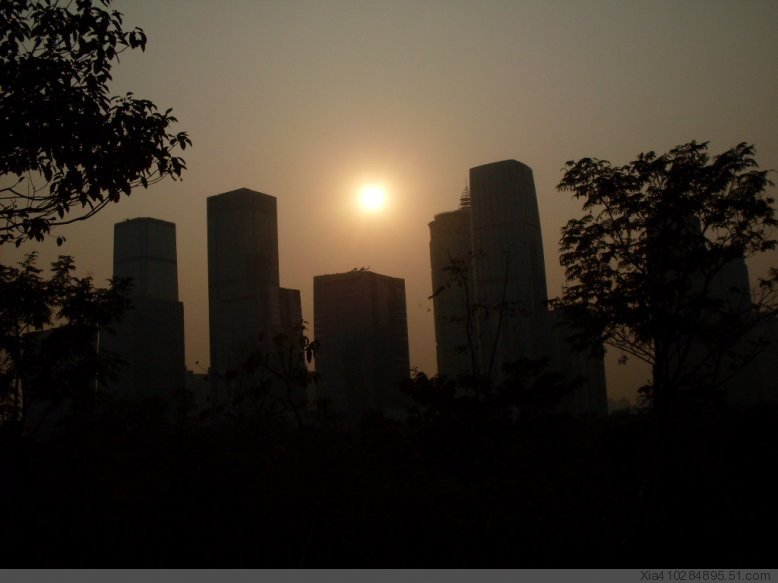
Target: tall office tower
(510,275)
(498,228)
(291,311)
(243,290)
(746,372)
(150,336)
(721,348)
(748,385)
(292,329)
(361,325)
(453,290)
(732,286)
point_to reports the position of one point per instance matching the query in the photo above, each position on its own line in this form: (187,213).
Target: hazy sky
(307,100)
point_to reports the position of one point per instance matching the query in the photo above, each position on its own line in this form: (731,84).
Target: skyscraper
(504,315)
(453,291)
(247,308)
(361,324)
(150,336)
(708,336)
(509,270)
(291,311)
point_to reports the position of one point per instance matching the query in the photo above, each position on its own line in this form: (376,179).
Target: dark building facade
(360,322)
(498,231)
(509,270)
(291,312)
(712,338)
(247,307)
(453,291)
(150,336)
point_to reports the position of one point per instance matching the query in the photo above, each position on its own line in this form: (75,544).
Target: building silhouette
(498,233)
(509,270)
(150,336)
(750,362)
(453,290)
(360,321)
(713,338)
(247,308)
(291,311)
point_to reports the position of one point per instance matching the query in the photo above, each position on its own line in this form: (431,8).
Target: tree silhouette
(48,336)
(652,266)
(459,272)
(271,381)
(69,148)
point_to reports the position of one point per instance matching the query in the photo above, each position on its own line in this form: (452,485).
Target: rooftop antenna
(464,198)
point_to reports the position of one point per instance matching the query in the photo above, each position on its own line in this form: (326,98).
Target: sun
(372,198)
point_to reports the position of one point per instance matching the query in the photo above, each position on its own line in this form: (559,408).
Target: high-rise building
(509,270)
(145,251)
(453,291)
(291,312)
(292,329)
(716,339)
(748,358)
(503,316)
(150,336)
(247,308)
(361,325)
(242,279)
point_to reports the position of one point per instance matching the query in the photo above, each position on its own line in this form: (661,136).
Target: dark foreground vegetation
(122,488)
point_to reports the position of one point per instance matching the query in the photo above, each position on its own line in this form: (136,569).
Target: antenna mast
(464,198)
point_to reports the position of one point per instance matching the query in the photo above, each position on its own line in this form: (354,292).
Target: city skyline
(311,121)
(251,375)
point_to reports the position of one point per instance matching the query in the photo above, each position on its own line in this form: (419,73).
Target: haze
(309,101)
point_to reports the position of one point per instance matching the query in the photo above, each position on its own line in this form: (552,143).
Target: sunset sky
(311,100)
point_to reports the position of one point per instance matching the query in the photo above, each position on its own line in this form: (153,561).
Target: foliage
(482,355)
(459,272)
(48,335)
(273,378)
(528,388)
(69,148)
(551,491)
(649,265)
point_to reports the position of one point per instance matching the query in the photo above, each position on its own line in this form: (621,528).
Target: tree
(459,277)
(283,367)
(69,148)
(482,355)
(49,334)
(649,267)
